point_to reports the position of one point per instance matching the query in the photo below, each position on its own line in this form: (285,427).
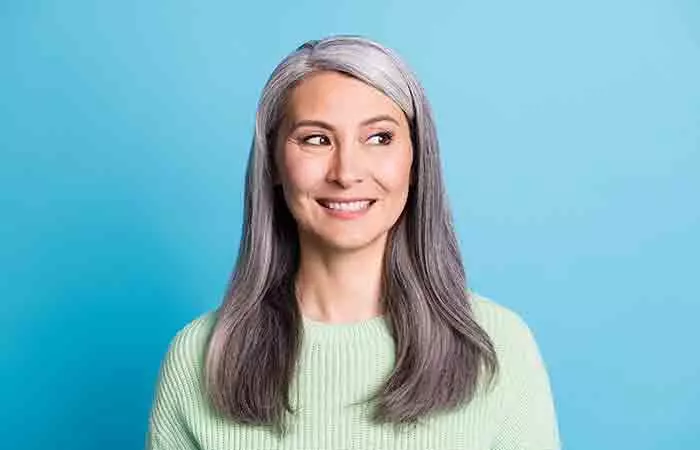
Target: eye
(317,139)
(383,138)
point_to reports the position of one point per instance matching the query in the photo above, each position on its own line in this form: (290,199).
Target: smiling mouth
(355,205)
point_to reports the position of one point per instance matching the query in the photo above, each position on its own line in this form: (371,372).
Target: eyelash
(385,134)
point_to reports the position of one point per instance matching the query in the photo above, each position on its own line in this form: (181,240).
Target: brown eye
(383,138)
(317,139)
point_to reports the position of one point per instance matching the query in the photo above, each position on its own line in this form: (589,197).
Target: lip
(342,214)
(345,200)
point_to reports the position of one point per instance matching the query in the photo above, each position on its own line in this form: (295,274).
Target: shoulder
(194,333)
(522,396)
(178,394)
(187,348)
(497,320)
(512,337)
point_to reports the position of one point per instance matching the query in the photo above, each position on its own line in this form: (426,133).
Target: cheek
(301,174)
(394,172)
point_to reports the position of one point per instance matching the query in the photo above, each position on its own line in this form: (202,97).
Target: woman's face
(344,159)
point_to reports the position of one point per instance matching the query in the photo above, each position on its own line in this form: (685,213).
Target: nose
(347,164)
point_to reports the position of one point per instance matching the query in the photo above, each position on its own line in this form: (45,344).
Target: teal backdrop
(570,136)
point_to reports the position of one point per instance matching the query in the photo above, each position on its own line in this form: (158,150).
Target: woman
(348,322)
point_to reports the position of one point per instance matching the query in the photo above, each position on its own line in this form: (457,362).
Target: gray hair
(441,351)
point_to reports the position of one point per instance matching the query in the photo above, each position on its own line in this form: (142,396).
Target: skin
(339,277)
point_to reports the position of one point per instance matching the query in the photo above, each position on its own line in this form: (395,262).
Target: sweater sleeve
(527,419)
(167,425)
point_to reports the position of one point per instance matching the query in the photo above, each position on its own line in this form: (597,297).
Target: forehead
(334,96)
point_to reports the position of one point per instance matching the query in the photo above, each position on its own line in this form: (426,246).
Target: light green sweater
(340,364)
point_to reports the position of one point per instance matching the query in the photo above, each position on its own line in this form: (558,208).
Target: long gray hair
(441,352)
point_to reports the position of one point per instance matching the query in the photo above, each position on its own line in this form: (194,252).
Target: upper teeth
(348,206)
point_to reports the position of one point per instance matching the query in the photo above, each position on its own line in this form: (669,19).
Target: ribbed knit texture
(340,365)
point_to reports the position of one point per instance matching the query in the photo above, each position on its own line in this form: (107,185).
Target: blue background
(570,134)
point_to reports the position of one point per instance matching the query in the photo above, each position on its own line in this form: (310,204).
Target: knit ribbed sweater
(339,366)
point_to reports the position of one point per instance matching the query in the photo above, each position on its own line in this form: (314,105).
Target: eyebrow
(328,126)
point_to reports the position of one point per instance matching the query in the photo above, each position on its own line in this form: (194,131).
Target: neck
(340,287)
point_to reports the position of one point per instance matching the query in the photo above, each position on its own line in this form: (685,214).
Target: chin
(348,243)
